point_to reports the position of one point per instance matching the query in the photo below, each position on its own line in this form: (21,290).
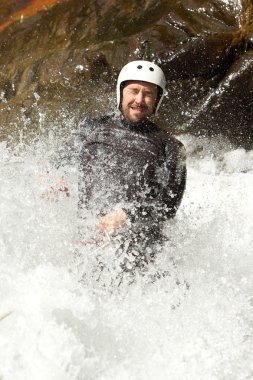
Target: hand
(112,220)
(53,193)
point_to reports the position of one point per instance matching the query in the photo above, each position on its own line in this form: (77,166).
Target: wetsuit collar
(144,125)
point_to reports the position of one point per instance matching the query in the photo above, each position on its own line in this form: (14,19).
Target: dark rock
(229,106)
(63,62)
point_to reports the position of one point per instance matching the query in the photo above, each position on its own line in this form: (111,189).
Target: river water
(58,323)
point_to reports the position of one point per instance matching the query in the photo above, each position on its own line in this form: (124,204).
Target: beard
(136,113)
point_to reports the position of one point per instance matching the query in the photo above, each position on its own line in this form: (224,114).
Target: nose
(139,97)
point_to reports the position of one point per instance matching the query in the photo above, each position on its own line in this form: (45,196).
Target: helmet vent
(151,69)
(139,67)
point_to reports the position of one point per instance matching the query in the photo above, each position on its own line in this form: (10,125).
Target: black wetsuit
(137,168)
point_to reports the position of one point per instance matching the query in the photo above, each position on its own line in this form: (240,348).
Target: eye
(133,91)
(139,67)
(151,69)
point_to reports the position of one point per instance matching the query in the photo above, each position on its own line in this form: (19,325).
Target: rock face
(62,62)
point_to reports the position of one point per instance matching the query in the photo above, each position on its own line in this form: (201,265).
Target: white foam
(194,323)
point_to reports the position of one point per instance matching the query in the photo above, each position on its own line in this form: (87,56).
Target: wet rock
(65,60)
(229,106)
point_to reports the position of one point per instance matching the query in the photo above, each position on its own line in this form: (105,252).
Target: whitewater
(57,322)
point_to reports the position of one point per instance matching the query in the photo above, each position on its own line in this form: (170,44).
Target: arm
(172,194)
(66,152)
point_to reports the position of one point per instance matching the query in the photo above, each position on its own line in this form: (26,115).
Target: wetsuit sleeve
(174,185)
(68,151)
(171,187)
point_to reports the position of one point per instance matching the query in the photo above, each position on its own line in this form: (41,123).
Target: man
(132,173)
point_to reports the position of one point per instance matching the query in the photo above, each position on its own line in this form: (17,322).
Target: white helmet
(142,71)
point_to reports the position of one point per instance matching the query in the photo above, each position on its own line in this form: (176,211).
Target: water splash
(194,322)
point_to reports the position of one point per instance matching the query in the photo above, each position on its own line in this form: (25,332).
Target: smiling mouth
(138,108)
